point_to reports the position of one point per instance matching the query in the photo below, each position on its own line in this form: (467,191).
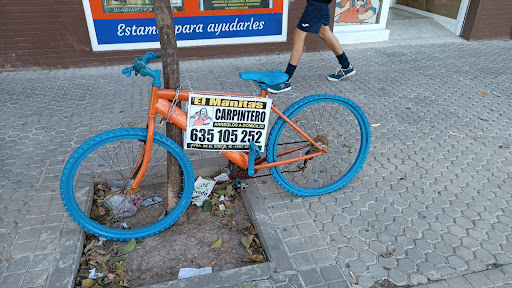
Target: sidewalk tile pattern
(435,192)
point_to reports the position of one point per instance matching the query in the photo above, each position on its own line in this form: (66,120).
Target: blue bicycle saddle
(268,77)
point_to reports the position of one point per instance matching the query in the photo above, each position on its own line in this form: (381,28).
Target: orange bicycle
(316,146)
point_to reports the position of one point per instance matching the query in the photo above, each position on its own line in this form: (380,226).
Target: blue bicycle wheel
(97,176)
(332,121)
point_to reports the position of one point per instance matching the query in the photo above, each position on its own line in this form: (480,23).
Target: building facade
(70,33)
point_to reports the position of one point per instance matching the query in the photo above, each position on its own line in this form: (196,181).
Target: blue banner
(118,31)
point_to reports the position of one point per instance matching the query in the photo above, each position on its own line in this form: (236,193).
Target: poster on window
(222,123)
(356,12)
(130,24)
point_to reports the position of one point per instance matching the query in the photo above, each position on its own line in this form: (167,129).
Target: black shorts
(315,15)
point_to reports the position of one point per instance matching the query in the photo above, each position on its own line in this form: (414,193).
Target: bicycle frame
(161,104)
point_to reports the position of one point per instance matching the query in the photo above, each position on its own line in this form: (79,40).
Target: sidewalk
(436,187)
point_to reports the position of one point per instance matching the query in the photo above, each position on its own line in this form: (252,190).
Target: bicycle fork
(142,165)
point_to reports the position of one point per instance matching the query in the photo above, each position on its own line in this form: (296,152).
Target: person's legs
(299,38)
(328,37)
(345,68)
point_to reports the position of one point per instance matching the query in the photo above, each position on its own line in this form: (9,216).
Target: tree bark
(171,80)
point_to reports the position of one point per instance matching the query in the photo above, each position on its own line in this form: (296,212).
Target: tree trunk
(171,74)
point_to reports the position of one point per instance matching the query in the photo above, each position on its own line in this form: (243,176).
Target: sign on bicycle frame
(226,123)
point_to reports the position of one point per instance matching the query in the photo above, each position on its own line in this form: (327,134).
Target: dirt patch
(186,244)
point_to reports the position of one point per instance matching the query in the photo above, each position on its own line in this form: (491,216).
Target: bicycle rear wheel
(331,121)
(97,176)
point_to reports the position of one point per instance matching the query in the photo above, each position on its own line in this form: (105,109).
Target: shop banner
(226,123)
(130,24)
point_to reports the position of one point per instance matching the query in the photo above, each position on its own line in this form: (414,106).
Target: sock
(290,70)
(343,60)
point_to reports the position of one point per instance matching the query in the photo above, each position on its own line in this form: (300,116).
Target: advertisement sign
(226,123)
(131,24)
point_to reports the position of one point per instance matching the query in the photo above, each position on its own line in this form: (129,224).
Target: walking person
(315,19)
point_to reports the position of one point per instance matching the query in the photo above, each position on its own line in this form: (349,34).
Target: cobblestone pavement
(435,192)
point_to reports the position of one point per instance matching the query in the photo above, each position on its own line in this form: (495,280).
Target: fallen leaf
(116,259)
(120,267)
(128,247)
(455,134)
(230,214)
(496,94)
(216,244)
(212,263)
(224,247)
(388,254)
(249,286)
(220,192)
(9,259)
(253,258)
(435,94)
(230,191)
(504,146)
(375,125)
(89,247)
(86,283)
(207,205)
(247,240)
(131,124)
(483,94)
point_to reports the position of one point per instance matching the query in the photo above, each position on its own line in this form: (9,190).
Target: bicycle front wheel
(97,176)
(332,121)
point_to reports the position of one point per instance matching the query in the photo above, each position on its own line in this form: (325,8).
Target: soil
(187,245)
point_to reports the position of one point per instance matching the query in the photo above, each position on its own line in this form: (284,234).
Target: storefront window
(136,6)
(357,12)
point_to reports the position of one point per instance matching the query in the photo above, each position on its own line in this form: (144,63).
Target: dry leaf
(216,244)
(496,94)
(230,191)
(89,247)
(253,258)
(483,94)
(375,125)
(247,240)
(230,215)
(455,134)
(249,286)
(86,283)
(387,254)
(224,247)
(212,263)
(9,259)
(131,124)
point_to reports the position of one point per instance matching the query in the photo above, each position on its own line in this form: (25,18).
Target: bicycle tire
(307,114)
(86,168)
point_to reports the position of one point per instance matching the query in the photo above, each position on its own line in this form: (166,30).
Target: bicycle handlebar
(140,67)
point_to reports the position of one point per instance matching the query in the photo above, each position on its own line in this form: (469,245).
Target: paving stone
(311,277)
(331,273)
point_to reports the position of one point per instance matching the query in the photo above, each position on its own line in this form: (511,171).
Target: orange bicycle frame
(161,104)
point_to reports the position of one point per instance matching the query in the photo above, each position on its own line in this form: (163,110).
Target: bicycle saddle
(267,77)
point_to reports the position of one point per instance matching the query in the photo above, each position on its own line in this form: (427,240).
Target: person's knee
(299,34)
